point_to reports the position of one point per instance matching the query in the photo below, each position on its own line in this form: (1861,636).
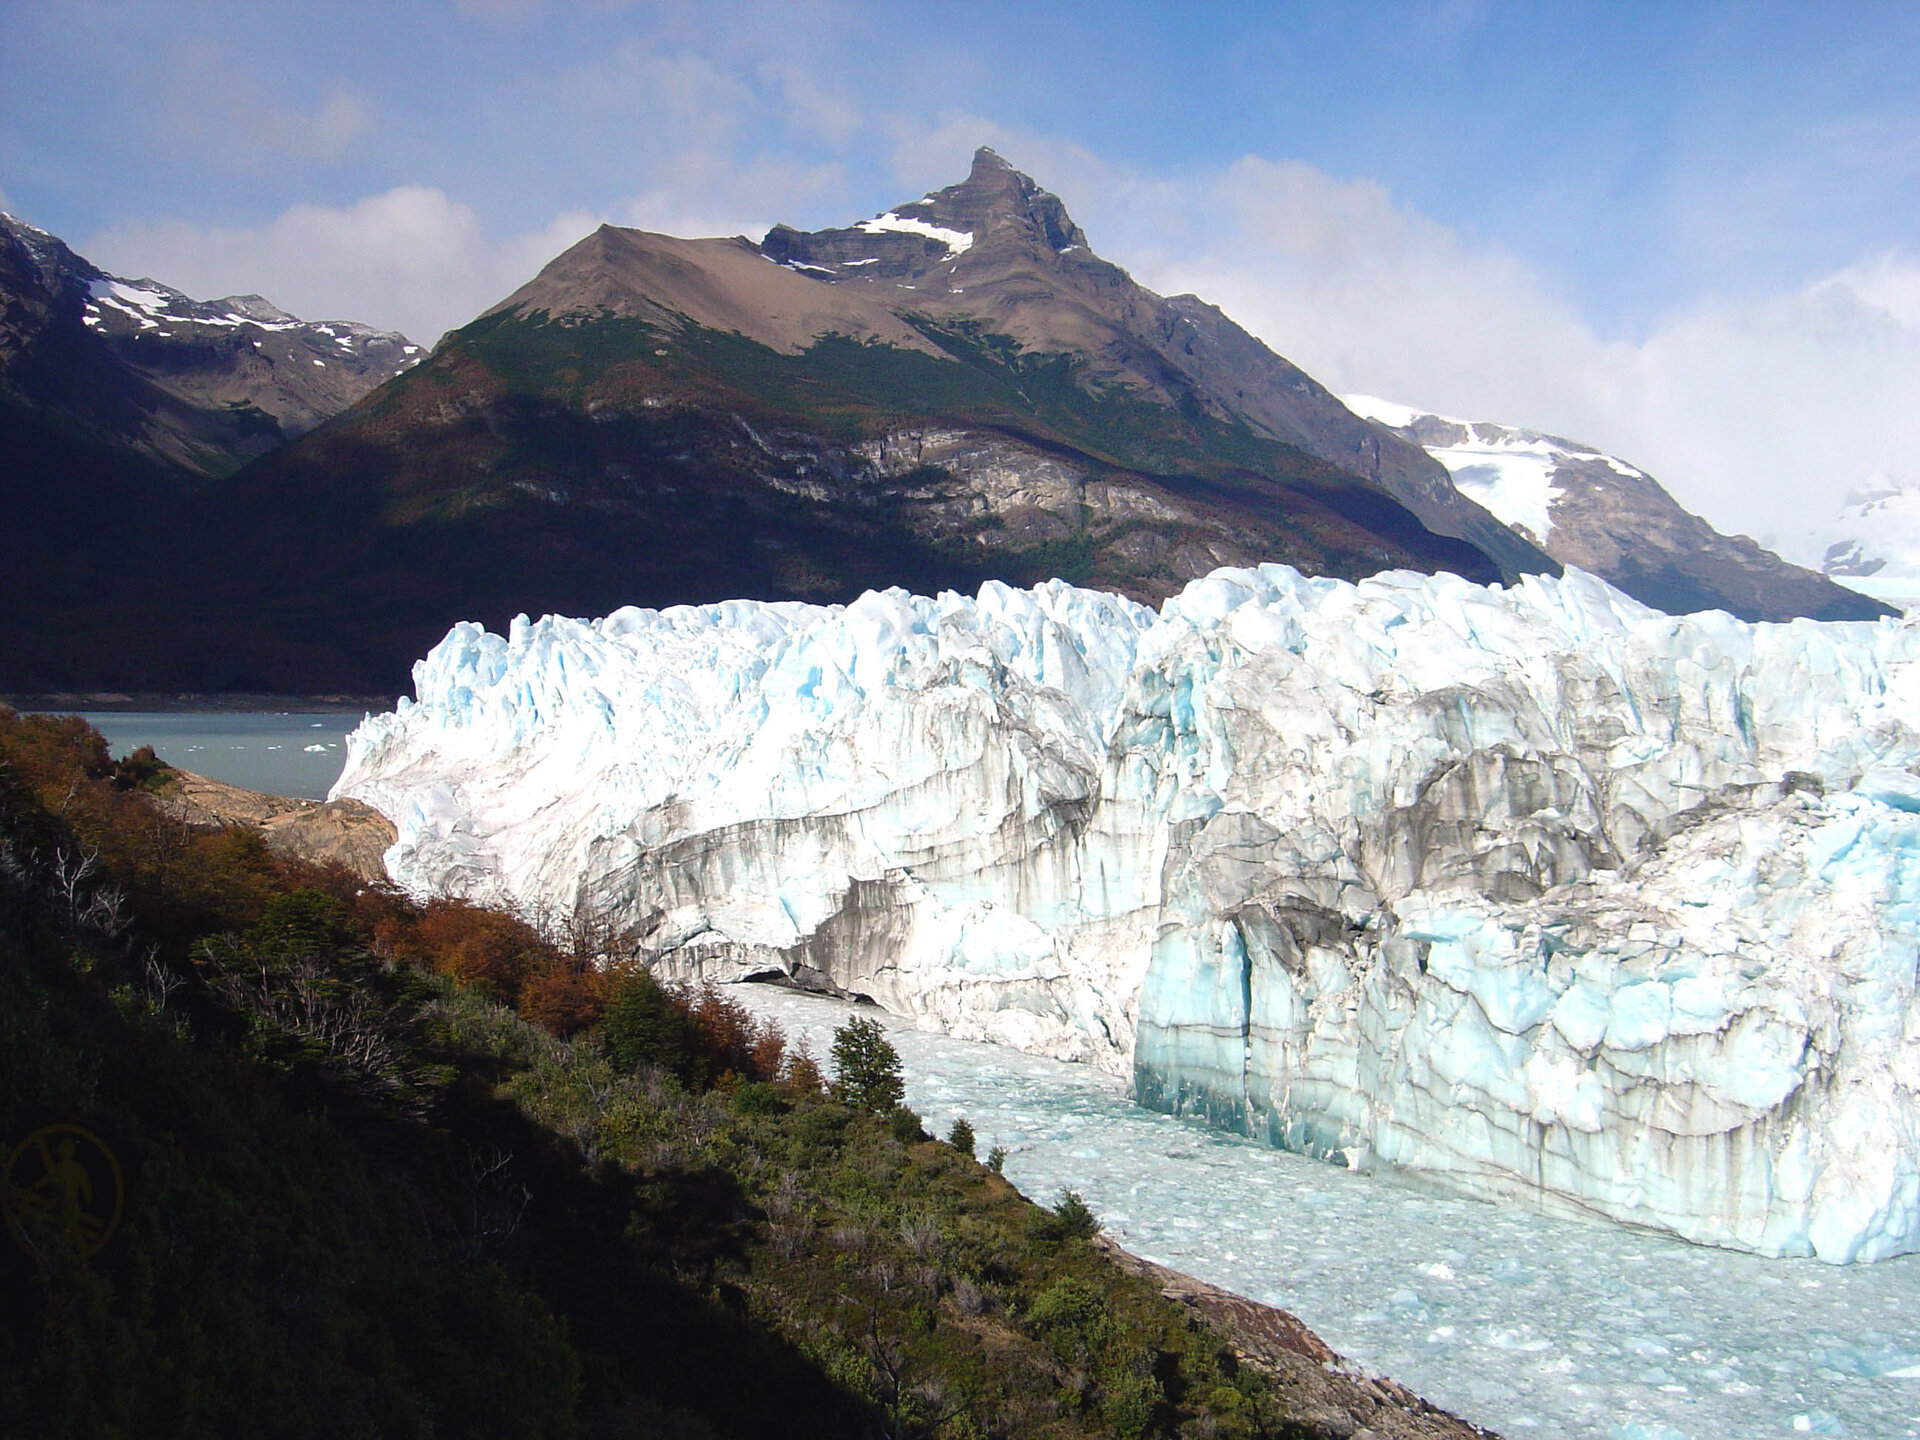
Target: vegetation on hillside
(402,1169)
(572,466)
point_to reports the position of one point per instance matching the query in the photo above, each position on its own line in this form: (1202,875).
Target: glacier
(1529,893)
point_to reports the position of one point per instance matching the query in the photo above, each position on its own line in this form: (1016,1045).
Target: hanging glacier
(1529,893)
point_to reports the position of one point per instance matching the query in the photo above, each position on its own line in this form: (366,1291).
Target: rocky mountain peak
(1587,508)
(995,211)
(995,194)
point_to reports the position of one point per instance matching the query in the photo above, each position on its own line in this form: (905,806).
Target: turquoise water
(282,754)
(1527,1324)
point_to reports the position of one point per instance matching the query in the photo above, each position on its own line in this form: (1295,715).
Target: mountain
(1873,544)
(120,400)
(136,369)
(1595,511)
(999,250)
(954,391)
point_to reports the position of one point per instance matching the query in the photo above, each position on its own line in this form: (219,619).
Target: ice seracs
(1531,893)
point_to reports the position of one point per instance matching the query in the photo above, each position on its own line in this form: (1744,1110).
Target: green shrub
(757,1097)
(643,1025)
(1077,1222)
(866,1068)
(1070,1219)
(961,1136)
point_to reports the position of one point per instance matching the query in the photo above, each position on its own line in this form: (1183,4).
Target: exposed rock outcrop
(333,832)
(1328,1398)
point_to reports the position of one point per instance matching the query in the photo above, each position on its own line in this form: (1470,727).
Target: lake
(280,753)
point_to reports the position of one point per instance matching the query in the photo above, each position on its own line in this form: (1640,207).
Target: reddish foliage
(802,1075)
(563,999)
(726,1033)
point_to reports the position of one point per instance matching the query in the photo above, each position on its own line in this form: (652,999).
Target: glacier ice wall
(1529,893)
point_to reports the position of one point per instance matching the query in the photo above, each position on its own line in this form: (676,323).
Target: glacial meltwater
(280,753)
(1526,1324)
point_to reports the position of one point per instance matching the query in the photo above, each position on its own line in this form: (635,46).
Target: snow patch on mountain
(1509,471)
(1873,544)
(1533,893)
(958,242)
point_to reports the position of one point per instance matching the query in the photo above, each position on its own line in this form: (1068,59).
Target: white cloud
(410,259)
(1760,414)
(812,110)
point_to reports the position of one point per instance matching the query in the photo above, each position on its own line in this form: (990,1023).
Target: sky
(1688,234)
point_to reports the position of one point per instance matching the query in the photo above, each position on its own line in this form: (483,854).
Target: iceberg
(1525,893)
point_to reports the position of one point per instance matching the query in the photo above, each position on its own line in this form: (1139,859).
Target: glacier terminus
(1529,893)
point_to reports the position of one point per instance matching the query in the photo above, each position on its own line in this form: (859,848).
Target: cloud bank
(410,259)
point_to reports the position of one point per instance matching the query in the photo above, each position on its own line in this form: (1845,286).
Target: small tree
(1075,1220)
(866,1068)
(644,1024)
(961,1136)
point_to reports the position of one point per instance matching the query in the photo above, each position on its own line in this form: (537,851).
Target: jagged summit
(995,216)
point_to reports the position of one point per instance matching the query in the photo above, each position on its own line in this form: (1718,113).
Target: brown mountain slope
(1025,270)
(724,285)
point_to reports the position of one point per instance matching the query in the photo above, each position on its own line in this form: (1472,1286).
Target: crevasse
(1529,893)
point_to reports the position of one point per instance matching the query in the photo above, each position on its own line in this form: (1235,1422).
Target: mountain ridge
(196,387)
(1597,512)
(955,390)
(652,420)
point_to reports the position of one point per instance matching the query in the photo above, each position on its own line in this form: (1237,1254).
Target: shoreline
(1336,1400)
(156,702)
(1336,1397)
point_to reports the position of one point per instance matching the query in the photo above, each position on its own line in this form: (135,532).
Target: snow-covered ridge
(1535,892)
(1509,471)
(150,305)
(1873,544)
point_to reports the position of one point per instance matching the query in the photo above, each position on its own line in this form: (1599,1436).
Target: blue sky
(1653,225)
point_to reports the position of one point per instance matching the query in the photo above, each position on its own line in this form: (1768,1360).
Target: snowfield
(1531,893)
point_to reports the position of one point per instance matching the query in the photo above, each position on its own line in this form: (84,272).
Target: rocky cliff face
(999,250)
(1533,893)
(1612,519)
